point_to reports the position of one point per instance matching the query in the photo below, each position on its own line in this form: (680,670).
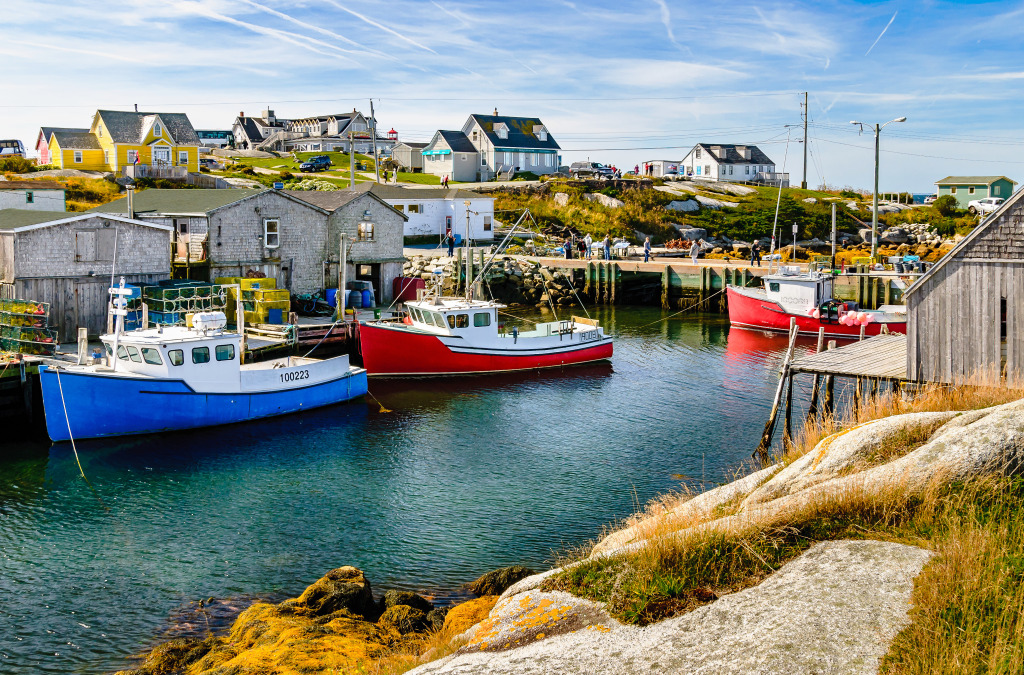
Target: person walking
(695,251)
(445,181)
(755,254)
(588,241)
(450,240)
(647,249)
(636,170)
(567,248)
(581,247)
(607,247)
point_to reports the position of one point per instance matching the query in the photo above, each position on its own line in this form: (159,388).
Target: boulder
(561,198)
(893,235)
(404,619)
(865,234)
(715,203)
(687,206)
(392,598)
(692,233)
(342,588)
(852,206)
(604,200)
(436,617)
(463,616)
(811,200)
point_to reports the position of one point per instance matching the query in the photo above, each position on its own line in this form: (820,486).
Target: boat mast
(119,309)
(466,248)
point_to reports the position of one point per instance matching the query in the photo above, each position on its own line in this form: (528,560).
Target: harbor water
(439,482)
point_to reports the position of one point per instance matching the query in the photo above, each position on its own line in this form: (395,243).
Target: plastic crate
(261,282)
(267,295)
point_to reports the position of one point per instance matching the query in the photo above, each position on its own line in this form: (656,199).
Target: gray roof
(972,180)
(415,145)
(77,140)
(156,201)
(31,185)
(457,141)
(520,132)
(332,200)
(732,156)
(398,192)
(13,219)
(127,127)
(250,128)
(48,131)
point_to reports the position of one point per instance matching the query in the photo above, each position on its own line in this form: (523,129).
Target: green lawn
(422,178)
(286,163)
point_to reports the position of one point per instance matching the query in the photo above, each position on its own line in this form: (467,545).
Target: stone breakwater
(511,280)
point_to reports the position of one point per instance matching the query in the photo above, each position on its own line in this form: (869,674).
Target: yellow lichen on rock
(463,617)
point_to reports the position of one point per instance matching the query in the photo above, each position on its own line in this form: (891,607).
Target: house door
(161,155)
(181,239)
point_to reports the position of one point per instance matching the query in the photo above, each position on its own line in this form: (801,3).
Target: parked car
(930,198)
(672,175)
(983,206)
(591,170)
(316,163)
(208,162)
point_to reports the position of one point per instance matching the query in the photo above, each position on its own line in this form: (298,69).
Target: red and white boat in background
(807,297)
(459,336)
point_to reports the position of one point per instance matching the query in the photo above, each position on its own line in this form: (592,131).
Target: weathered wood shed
(66,259)
(966,313)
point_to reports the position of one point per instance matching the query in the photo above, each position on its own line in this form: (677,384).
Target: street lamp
(874,201)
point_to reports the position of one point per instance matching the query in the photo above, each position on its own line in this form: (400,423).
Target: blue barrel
(332,297)
(366,299)
(355,300)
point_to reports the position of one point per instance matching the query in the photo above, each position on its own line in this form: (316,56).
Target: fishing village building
(409,155)
(968,188)
(730,162)
(135,144)
(66,259)
(319,133)
(33,195)
(432,211)
(490,146)
(966,313)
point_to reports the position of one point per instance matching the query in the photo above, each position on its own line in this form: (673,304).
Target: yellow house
(132,143)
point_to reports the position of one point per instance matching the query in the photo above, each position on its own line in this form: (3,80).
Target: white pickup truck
(983,206)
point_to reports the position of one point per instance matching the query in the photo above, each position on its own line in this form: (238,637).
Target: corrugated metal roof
(972,180)
(178,202)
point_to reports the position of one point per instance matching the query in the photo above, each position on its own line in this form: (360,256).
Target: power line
(914,154)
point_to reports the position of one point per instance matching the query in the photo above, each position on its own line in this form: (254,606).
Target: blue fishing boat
(172,377)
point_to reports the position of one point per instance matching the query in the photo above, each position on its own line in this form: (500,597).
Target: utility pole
(874,203)
(803,183)
(833,235)
(351,158)
(373,130)
(339,299)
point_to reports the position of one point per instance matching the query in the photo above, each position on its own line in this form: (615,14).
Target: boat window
(152,356)
(437,319)
(462,321)
(133,354)
(773,286)
(176,357)
(451,321)
(481,319)
(200,355)
(122,353)
(225,352)
(110,351)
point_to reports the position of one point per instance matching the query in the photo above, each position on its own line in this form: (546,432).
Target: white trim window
(106,157)
(78,156)
(157,131)
(132,155)
(271,232)
(487,223)
(365,231)
(183,157)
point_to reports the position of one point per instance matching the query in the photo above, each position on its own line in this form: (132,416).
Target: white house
(249,132)
(33,195)
(431,211)
(492,145)
(722,162)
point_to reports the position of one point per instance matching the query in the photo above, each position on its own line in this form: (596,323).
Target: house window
(952,190)
(995,190)
(413,208)
(156,129)
(365,231)
(106,157)
(730,169)
(400,207)
(970,190)
(747,167)
(200,355)
(707,170)
(30,197)
(78,156)
(501,131)
(99,131)
(225,352)
(271,232)
(698,153)
(542,135)
(183,157)
(132,156)
(483,159)
(487,223)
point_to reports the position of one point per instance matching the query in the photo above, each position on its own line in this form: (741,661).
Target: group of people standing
(583,247)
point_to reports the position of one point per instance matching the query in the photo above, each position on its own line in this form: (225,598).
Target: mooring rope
(682,311)
(67,421)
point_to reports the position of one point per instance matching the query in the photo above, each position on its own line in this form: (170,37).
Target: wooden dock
(883,357)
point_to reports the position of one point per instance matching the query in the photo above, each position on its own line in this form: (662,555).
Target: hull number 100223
(295,375)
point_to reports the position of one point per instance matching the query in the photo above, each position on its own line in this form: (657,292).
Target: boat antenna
(466,249)
(778,201)
(504,242)
(119,309)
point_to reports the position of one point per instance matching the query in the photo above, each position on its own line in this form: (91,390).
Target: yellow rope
(382,408)
(67,420)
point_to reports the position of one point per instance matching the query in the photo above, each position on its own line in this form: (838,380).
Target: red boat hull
(397,352)
(763,314)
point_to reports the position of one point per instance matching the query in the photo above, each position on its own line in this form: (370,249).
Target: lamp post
(874,200)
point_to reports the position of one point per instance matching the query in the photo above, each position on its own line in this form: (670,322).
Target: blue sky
(619,82)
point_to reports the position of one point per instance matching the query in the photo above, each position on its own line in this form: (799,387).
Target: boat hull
(100,405)
(746,311)
(396,352)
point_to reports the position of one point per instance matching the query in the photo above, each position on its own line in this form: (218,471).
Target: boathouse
(66,259)
(966,313)
(238,232)
(374,231)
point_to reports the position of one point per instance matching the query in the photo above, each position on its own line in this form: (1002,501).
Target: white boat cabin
(455,316)
(207,361)
(798,292)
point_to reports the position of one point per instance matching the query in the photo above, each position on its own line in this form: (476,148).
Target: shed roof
(127,127)
(982,227)
(30,185)
(415,145)
(399,192)
(457,141)
(179,202)
(18,219)
(48,131)
(520,132)
(77,140)
(332,200)
(972,180)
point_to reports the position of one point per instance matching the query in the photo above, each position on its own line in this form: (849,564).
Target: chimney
(241,114)
(136,107)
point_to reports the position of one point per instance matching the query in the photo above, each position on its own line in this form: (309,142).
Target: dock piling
(812,410)
(769,428)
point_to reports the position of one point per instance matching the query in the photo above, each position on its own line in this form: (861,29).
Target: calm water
(462,477)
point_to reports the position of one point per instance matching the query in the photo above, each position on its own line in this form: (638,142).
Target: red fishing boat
(459,336)
(807,297)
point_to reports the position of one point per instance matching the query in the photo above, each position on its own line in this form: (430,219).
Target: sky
(615,82)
